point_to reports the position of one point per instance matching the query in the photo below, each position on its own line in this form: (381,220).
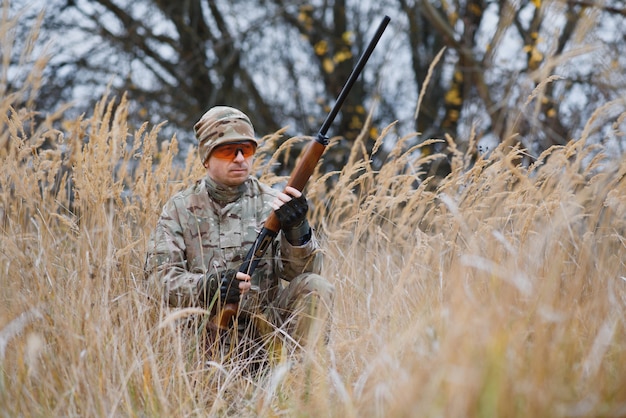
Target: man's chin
(236,180)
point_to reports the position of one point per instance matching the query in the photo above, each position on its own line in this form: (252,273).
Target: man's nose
(239,152)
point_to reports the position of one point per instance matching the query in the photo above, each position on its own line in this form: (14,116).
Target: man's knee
(314,285)
(312,311)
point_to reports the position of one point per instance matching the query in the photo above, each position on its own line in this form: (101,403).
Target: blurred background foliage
(482,72)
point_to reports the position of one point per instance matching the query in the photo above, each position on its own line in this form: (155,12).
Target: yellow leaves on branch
(347,37)
(453,18)
(304,16)
(453,115)
(453,96)
(321,48)
(374,133)
(550,110)
(535,56)
(355,123)
(342,56)
(475,9)
(328,65)
(458,77)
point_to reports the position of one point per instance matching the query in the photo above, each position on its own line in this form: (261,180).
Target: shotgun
(298,179)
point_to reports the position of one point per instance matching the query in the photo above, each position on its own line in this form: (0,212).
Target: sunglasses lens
(230,151)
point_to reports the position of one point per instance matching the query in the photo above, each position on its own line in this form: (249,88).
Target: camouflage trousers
(299,316)
(302,309)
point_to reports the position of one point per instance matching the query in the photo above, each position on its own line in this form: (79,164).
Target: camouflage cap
(220,125)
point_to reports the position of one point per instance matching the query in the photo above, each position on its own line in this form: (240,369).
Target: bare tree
(529,72)
(526,51)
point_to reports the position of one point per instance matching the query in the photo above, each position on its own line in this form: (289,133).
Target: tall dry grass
(500,291)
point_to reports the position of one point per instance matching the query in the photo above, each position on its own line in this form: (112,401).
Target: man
(205,232)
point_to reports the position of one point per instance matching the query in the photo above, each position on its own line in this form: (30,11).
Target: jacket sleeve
(295,260)
(166,262)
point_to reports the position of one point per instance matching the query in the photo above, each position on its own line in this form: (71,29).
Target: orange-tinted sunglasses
(229,151)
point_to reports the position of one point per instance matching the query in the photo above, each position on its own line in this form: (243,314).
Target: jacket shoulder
(189,197)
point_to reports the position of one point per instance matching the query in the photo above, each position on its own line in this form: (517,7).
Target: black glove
(226,283)
(292,218)
(229,287)
(292,213)
(206,288)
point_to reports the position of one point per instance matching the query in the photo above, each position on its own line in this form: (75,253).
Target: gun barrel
(356,71)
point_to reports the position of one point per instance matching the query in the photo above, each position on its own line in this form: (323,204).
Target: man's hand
(233,284)
(291,208)
(230,283)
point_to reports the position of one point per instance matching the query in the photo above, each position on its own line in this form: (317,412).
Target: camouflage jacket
(196,236)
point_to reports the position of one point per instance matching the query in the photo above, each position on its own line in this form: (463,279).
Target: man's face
(230,164)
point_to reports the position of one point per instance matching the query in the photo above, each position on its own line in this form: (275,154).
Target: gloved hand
(227,284)
(229,287)
(292,218)
(292,213)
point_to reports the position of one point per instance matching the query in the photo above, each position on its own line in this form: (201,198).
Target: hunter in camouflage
(205,231)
